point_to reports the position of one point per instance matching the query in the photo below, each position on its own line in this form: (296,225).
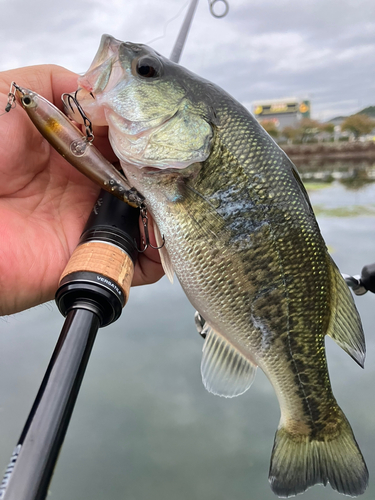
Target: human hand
(44,201)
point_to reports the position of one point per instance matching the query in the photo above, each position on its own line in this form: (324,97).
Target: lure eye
(28,102)
(148,67)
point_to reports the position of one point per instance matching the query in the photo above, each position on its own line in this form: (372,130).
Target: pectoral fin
(164,256)
(225,371)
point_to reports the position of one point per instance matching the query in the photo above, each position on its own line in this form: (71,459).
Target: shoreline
(328,151)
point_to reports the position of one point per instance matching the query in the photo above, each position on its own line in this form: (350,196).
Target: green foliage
(358,124)
(290,133)
(327,127)
(369,111)
(308,129)
(270,127)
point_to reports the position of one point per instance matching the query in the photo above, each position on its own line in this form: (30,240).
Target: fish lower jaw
(135,174)
(146,167)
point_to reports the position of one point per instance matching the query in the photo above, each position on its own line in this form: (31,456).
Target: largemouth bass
(241,236)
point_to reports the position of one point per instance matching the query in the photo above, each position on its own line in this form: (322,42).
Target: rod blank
(49,418)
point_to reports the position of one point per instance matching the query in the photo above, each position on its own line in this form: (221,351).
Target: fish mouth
(74,110)
(108,96)
(103,75)
(97,76)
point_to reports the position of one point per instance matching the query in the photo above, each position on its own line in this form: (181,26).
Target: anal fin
(225,371)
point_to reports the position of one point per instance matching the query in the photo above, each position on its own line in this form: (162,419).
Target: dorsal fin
(225,371)
(345,326)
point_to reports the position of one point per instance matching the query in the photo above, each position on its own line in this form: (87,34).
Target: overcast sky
(263,49)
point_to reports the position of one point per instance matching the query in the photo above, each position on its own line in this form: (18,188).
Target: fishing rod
(180,42)
(181,38)
(92,292)
(363,283)
(93,289)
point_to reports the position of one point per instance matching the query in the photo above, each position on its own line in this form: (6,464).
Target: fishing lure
(78,150)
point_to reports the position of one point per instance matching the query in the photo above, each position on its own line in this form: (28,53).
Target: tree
(369,111)
(290,133)
(270,127)
(307,129)
(327,127)
(358,125)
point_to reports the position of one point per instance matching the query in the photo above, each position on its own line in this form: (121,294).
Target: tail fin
(298,462)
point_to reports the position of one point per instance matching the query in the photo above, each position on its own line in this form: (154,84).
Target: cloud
(262,49)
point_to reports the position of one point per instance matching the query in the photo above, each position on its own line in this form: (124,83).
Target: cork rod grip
(105,259)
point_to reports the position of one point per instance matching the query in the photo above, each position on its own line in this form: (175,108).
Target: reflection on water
(350,184)
(335,199)
(353,174)
(144,426)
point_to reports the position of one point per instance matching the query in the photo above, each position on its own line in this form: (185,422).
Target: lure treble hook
(86,121)
(146,240)
(79,147)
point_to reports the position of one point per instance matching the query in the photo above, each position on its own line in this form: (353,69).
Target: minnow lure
(77,149)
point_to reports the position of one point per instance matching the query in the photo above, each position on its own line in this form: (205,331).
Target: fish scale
(261,271)
(242,238)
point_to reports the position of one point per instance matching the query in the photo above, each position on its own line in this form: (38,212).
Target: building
(285,112)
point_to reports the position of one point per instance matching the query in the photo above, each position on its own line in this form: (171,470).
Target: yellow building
(286,112)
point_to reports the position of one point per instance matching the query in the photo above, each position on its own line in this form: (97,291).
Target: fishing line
(211,4)
(167,23)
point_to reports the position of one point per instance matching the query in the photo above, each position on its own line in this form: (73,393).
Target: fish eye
(148,67)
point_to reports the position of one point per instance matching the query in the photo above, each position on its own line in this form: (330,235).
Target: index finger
(48,80)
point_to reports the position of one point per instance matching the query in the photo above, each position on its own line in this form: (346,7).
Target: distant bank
(346,151)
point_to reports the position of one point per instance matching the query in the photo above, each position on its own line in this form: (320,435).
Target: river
(144,427)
